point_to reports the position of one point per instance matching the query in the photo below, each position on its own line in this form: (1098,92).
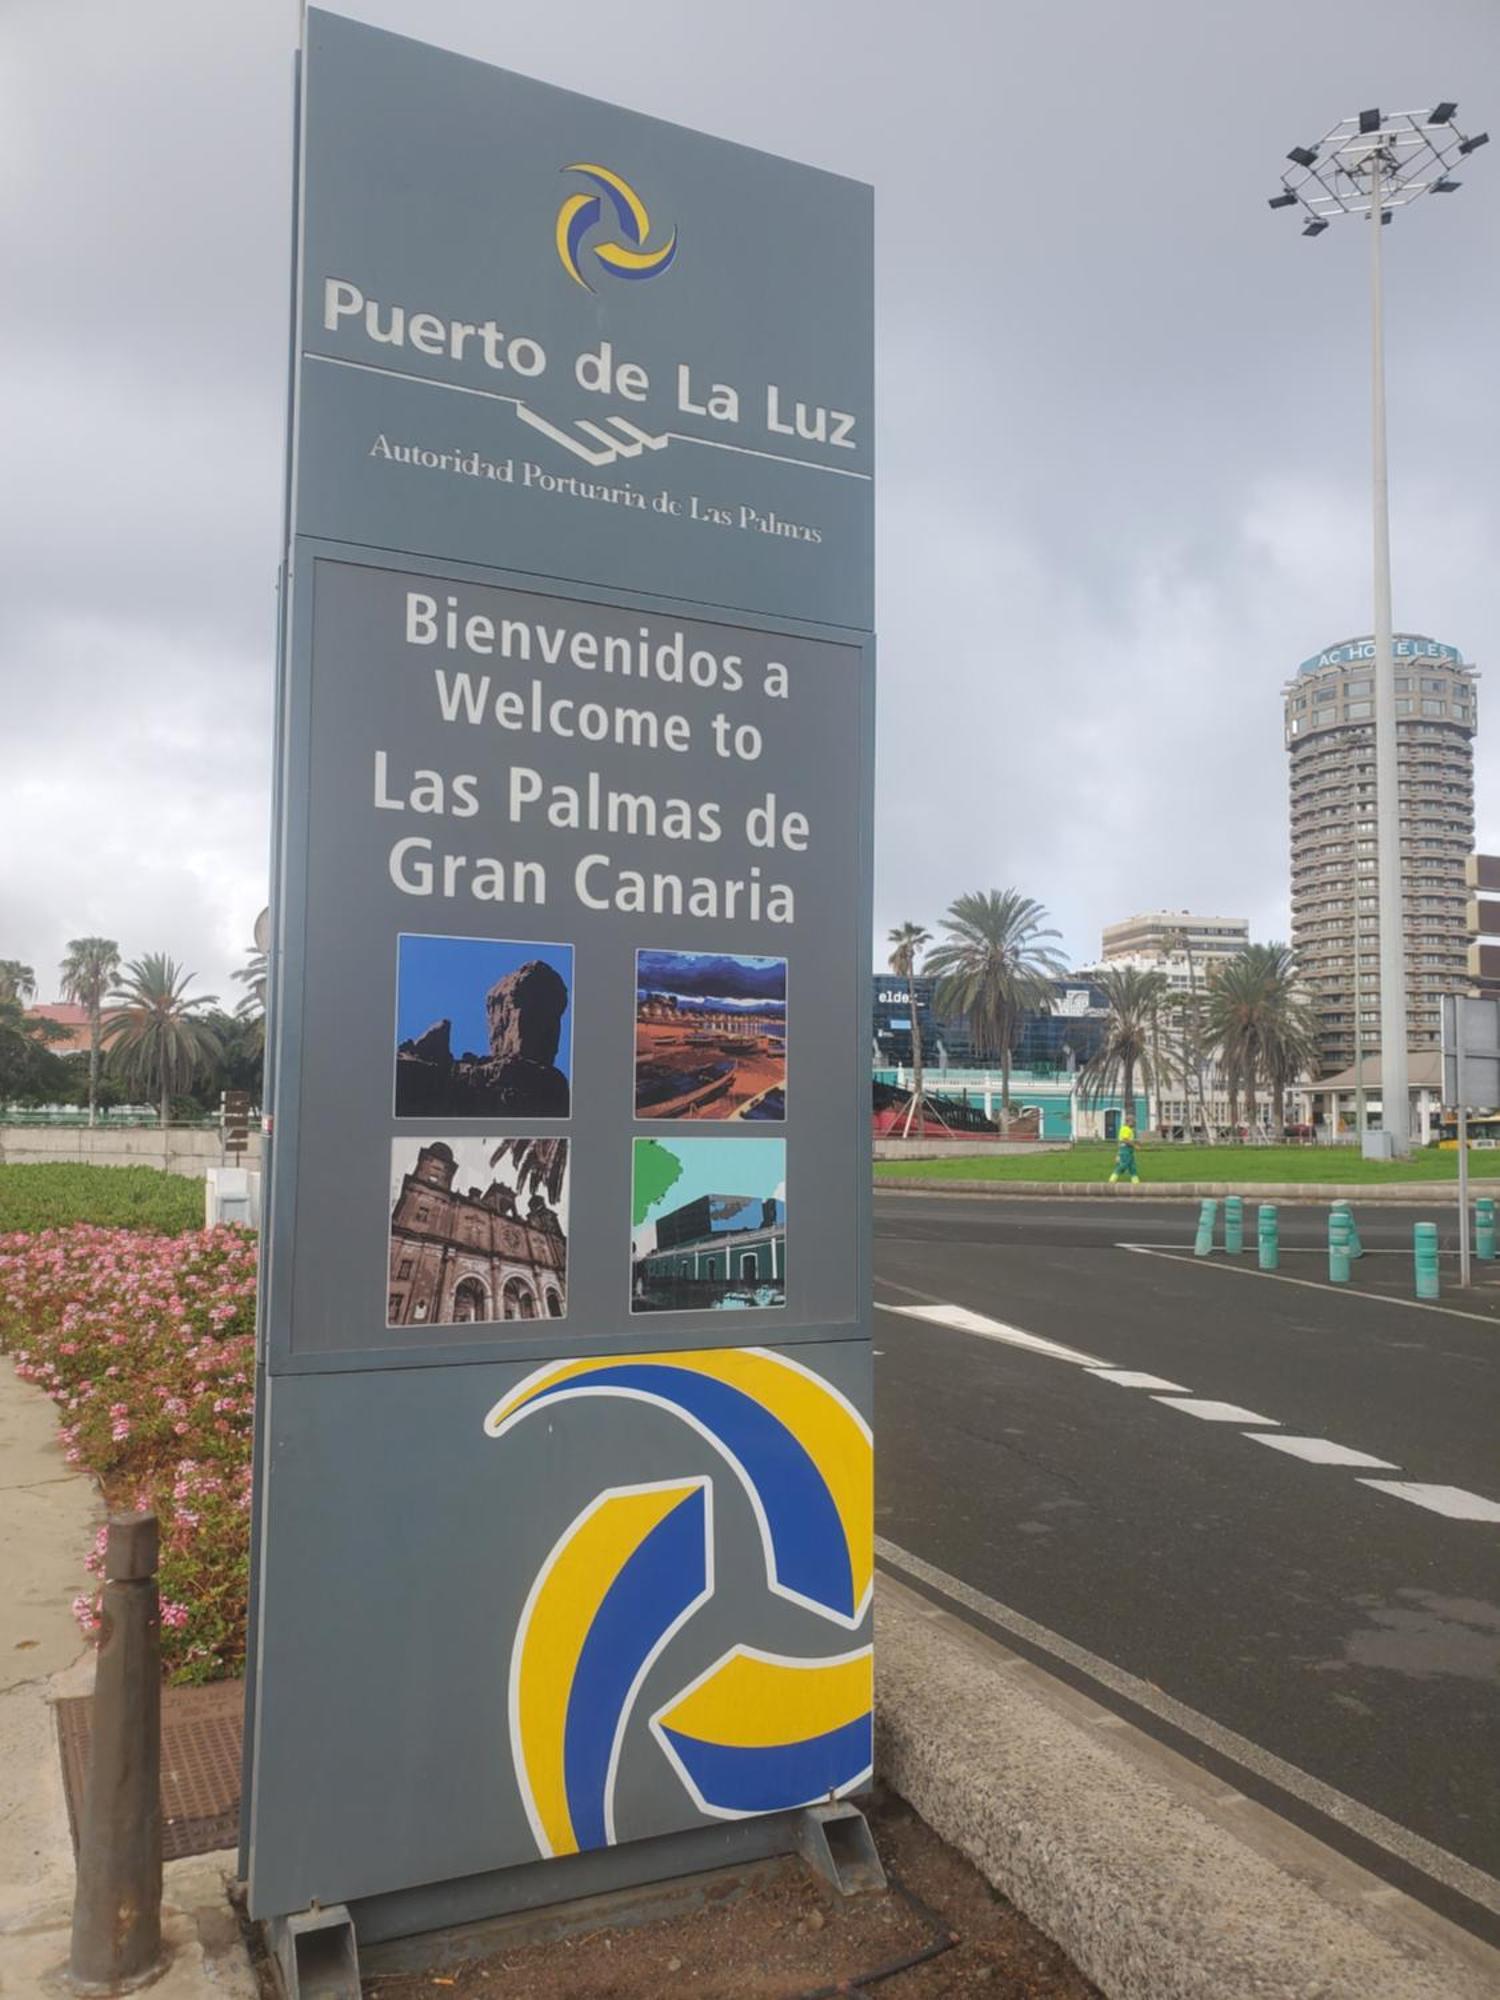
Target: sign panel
(1404,647)
(564,1511)
(1471,1052)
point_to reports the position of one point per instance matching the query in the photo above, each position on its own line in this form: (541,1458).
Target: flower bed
(146,1343)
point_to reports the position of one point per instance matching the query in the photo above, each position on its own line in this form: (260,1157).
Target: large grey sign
(564,1517)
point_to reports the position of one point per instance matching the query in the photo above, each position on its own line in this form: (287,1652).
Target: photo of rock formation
(710,1036)
(482,1028)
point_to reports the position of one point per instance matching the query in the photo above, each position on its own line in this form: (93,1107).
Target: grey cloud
(1123,422)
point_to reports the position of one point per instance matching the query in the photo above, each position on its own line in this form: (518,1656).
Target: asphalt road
(1350,1635)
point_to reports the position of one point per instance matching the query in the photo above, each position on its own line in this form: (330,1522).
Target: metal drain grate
(200,1764)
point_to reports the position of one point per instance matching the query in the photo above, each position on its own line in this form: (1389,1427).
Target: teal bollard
(1338,1247)
(1425,1256)
(1484,1229)
(1268,1237)
(1234,1224)
(1356,1248)
(1207,1215)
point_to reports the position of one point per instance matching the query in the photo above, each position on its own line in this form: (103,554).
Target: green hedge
(53,1195)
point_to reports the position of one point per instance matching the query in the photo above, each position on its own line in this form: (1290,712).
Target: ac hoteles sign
(564,1463)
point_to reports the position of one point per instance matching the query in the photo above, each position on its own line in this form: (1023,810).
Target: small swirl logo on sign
(757,1730)
(613,206)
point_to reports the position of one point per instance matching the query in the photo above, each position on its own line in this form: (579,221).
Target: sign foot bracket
(835,1841)
(316,1953)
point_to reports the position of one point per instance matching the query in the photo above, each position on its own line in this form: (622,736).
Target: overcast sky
(1123,421)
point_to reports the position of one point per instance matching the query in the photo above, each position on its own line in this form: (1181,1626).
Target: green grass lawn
(51,1195)
(1164,1164)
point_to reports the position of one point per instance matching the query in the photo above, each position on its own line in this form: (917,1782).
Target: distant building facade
(1330,741)
(1062,1035)
(1181,946)
(460,1257)
(718,1237)
(1482,925)
(70,1016)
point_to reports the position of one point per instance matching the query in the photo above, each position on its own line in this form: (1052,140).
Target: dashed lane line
(1451,1501)
(1213,1412)
(1454,1502)
(1136,1378)
(1320,1451)
(962,1320)
(1387,1834)
(1308,1284)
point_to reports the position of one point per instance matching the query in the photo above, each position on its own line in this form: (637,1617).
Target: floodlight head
(1315,227)
(1444,187)
(1303,156)
(1467,146)
(1442,114)
(1369,121)
(1287,200)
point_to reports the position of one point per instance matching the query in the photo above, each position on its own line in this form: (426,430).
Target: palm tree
(992,966)
(251,1007)
(906,942)
(156,1041)
(28,1068)
(17,981)
(1129,1044)
(91,967)
(541,1164)
(1260,1024)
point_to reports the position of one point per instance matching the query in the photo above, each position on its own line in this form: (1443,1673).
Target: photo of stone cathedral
(478,1231)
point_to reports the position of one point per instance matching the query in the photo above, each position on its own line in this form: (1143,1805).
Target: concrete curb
(1159,1880)
(1405,1193)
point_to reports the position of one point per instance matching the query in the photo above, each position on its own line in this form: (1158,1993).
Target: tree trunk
(166,1099)
(1005,1089)
(94,1064)
(1127,1093)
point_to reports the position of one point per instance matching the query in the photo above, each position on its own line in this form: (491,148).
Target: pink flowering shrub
(147,1346)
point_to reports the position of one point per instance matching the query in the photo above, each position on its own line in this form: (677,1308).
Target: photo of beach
(483,1028)
(710,1036)
(709,1225)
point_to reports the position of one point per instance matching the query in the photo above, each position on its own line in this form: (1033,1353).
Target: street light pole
(1395,1102)
(1370,166)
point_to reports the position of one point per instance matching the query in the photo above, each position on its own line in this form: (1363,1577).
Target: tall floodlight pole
(1370,166)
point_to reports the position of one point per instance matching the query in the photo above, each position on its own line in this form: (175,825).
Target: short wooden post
(117,1906)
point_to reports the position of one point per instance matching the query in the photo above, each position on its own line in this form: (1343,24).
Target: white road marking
(1133,1378)
(962,1320)
(1320,1451)
(1212,1412)
(1249,1251)
(1309,1284)
(1451,1501)
(1387,1834)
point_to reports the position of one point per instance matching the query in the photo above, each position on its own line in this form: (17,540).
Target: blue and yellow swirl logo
(756,1731)
(581,213)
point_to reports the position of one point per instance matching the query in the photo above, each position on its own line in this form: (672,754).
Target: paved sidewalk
(49,1514)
